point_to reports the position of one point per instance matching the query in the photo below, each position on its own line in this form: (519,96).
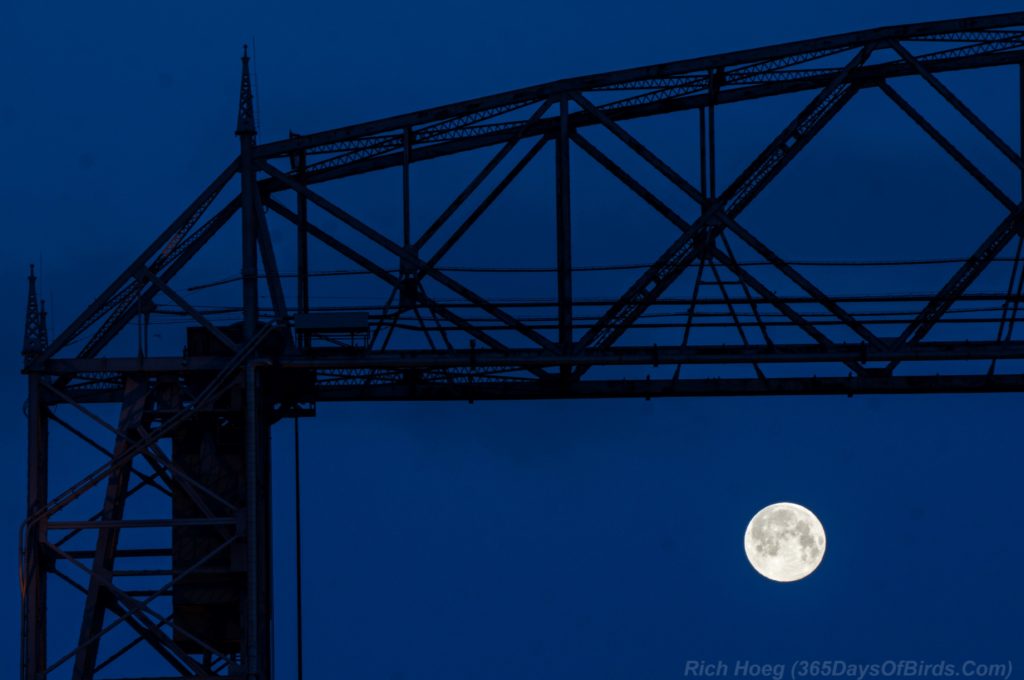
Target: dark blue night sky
(597,539)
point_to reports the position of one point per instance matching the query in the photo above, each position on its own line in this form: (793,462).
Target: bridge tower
(155,562)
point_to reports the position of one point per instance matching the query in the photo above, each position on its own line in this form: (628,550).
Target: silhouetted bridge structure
(715,311)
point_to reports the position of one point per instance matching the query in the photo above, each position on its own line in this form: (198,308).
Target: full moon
(784,542)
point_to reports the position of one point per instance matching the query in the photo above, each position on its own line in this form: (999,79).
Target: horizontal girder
(689,387)
(522,358)
(758,59)
(389,155)
(423,372)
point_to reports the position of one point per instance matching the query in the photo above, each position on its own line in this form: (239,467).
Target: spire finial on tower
(35,329)
(246,117)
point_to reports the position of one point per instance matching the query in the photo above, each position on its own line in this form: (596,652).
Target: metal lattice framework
(428,331)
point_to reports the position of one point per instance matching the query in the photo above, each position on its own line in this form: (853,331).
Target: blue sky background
(545,539)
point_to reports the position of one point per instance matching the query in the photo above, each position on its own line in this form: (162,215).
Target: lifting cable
(298,555)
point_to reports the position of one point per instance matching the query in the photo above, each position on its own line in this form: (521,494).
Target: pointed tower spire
(246,115)
(35,320)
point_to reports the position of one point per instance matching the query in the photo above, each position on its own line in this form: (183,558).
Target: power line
(612,267)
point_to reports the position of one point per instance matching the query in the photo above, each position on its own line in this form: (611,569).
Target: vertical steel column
(303,251)
(303,245)
(246,132)
(35,563)
(265,566)
(252,531)
(703,153)
(258,634)
(712,171)
(406,160)
(250,283)
(564,232)
(407,281)
(257,658)
(109,532)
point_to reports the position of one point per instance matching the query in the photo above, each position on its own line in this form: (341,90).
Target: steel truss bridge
(166,542)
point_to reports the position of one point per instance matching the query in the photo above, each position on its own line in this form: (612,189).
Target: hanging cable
(836,264)
(298,556)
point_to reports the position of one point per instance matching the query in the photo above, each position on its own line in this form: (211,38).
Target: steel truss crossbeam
(768,329)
